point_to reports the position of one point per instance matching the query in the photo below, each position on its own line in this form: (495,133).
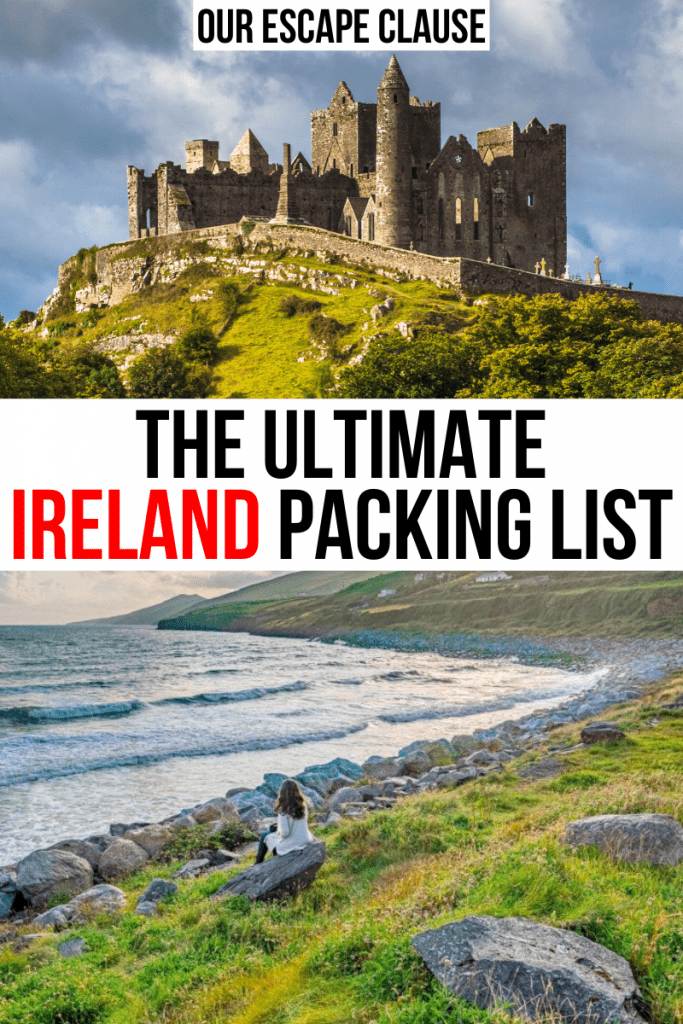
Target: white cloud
(55,597)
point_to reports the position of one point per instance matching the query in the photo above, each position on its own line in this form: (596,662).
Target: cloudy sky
(90,86)
(55,597)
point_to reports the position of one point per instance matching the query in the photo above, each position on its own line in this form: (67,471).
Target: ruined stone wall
(453,228)
(425,134)
(469,277)
(320,200)
(214,198)
(536,199)
(142,202)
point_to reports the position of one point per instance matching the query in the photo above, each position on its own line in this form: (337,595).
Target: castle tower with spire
(394,207)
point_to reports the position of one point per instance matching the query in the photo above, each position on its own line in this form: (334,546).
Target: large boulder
(45,874)
(152,838)
(602,732)
(96,900)
(217,809)
(381,768)
(121,859)
(345,795)
(278,877)
(8,894)
(542,972)
(638,838)
(82,848)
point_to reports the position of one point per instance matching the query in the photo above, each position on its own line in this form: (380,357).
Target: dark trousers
(262,847)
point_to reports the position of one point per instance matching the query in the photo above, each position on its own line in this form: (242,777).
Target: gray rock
(417,763)
(152,838)
(602,732)
(236,790)
(383,768)
(217,809)
(45,874)
(81,848)
(182,821)
(56,917)
(73,947)
(121,859)
(118,829)
(7,900)
(157,890)
(348,794)
(193,868)
(146,909)
(278,877)
(637,838)
(99,899)
(542,972)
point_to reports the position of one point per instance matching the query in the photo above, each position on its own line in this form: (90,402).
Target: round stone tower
(394,170)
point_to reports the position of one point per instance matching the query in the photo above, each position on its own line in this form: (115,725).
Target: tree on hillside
(90,374)
(597,346)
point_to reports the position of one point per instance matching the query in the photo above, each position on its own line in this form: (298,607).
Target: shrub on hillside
(199,344)
(163,373)
(296,305)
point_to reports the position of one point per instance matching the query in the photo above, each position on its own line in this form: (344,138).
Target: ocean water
(103,724)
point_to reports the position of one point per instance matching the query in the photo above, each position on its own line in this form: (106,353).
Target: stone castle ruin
(379,173)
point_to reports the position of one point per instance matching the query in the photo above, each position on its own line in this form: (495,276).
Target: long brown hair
(290,800)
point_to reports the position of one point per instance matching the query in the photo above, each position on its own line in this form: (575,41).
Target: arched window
(371,227)
(441,225)
(476,218)
(351,170)
(334,164)
(530,199)
(500,232)
(395,98)
(334,128)
(458,219)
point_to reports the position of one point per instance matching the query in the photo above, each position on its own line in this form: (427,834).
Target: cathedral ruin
(378,172)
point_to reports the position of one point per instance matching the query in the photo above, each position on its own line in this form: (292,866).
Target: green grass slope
(148,616)
(628,604)
(340,951)
(263,352)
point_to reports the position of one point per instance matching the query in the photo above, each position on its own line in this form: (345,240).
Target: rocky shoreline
(335,790)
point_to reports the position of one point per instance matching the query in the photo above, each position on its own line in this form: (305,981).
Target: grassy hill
(269,347)
(340,951)
(549,604)
(148,616)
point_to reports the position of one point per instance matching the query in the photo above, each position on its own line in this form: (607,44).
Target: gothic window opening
(395,98)
(347,227)
(500,232)
(530,199)
(334,164)
(476,219)
(334,128)
(351,173)
(414,172)
(458,220)
(441,224)
(343,99)
(371,227)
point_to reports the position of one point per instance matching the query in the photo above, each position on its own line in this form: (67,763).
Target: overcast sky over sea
(90,86)
(43,598)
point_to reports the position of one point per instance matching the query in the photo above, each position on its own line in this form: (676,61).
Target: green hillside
(637,604)
(229,317)
(148,616)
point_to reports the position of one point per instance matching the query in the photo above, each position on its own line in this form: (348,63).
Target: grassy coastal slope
(626,604)
(340,952)
(148,616)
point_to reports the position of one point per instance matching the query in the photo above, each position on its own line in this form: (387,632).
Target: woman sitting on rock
(291,832)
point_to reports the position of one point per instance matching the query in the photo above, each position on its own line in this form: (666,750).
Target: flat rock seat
(277,878)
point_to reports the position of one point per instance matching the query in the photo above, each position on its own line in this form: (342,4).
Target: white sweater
(292,834)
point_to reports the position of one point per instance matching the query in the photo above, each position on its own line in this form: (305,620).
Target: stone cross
(543,265)
(597,279)
(566,272)
(537,267)
(588,277)
(488,259)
